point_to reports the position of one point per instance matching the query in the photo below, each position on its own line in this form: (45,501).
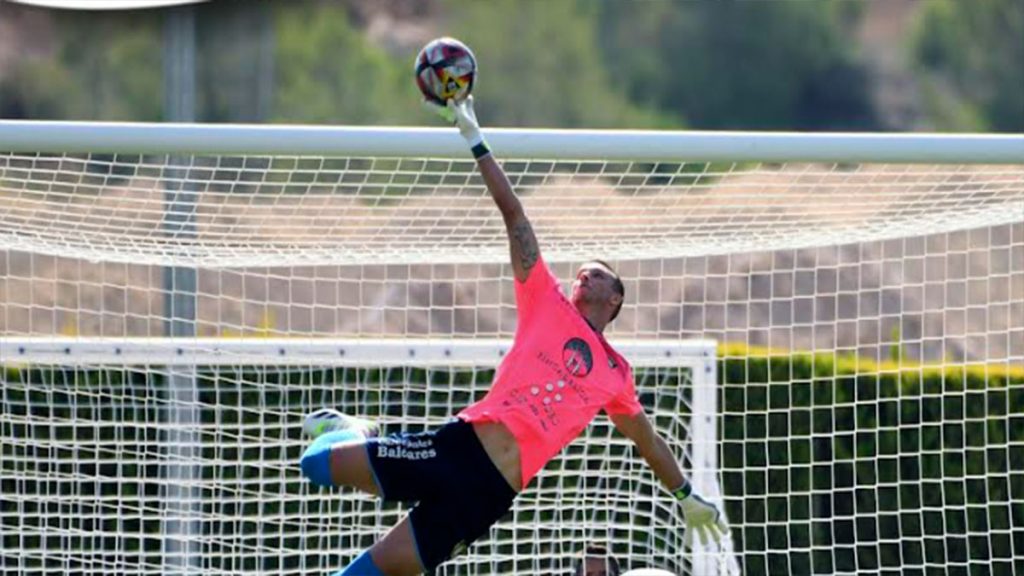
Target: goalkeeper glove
(461,114)
(329,420)
(703,520)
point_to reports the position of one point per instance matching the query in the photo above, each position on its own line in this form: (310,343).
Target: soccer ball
(445,69)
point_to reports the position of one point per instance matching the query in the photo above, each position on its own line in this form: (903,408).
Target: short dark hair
(597,551)
(617,285)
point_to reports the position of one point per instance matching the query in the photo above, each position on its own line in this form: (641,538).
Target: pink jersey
(557,376)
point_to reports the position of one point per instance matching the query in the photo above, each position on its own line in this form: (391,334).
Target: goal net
(828,329)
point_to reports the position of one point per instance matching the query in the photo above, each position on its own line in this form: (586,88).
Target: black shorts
(460,491)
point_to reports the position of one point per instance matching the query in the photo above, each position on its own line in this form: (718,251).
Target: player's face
(594,284)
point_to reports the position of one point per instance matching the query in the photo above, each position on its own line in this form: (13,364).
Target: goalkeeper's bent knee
(316,460)
(363,566)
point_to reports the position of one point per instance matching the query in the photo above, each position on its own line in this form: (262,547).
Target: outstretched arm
(702,518)
(522,242)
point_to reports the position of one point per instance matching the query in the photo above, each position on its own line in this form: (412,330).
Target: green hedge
(837,464)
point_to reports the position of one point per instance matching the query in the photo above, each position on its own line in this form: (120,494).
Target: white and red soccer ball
(445,69)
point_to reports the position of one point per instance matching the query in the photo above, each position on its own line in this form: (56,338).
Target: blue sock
(363,566)
(316,460)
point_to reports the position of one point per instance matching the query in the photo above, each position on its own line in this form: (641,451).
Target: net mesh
(267,211)
(870,379)
(89,467)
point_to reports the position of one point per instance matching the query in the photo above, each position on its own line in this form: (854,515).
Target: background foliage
(975,51)
(564,63)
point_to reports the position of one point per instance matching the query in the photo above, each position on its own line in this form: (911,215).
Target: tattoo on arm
(524,246)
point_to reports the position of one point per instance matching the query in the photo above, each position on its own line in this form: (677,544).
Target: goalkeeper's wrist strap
(683,492)
(480,150)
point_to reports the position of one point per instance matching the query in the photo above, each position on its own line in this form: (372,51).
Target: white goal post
(597,492)
(329,188)
(828,327)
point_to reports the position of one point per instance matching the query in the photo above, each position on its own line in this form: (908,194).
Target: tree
(107,67)
(540,66)
(326,71)
(975,51)
(740,65)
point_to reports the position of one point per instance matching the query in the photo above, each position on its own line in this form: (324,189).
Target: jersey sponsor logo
(407,443)
(403,453)
(577,358)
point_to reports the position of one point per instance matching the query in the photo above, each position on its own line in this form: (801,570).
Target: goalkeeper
(558,375)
